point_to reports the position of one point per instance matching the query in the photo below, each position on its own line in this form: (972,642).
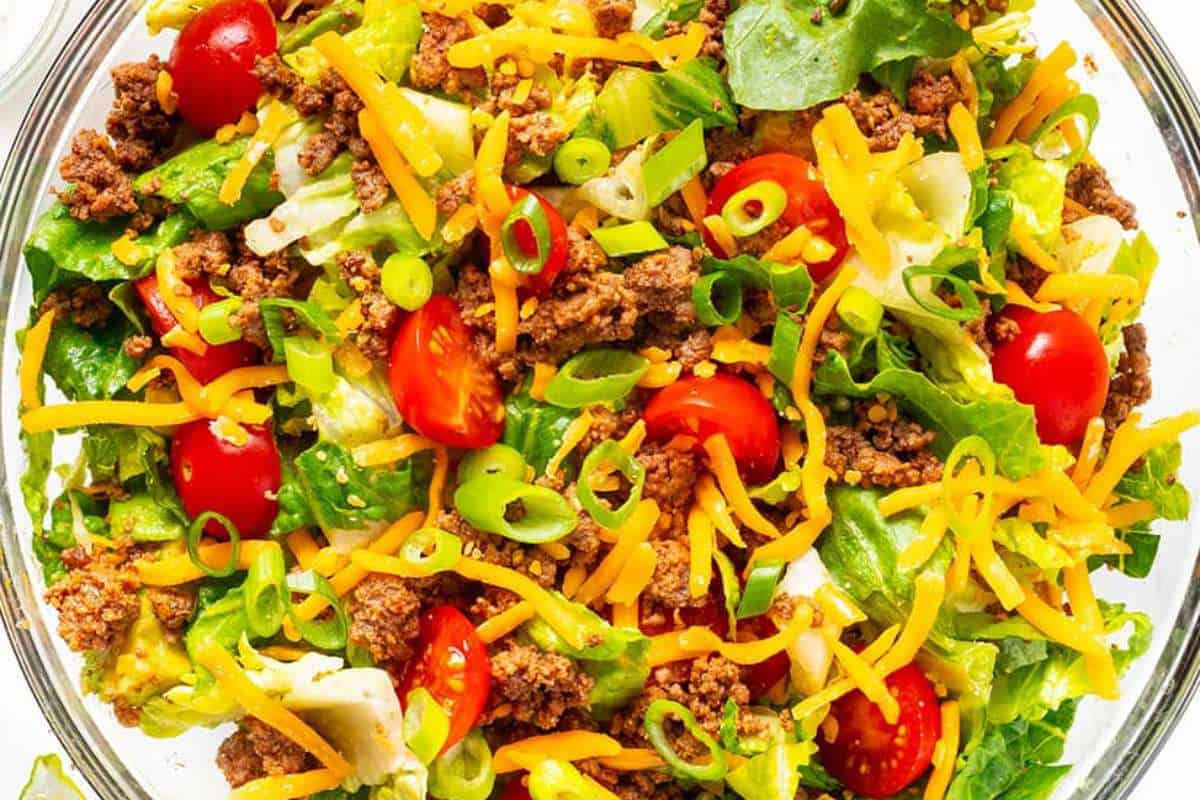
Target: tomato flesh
(556,259)
(453,666)
(1057,364)
(218,358)
(808,204)
(237,480)
(515,789)
(441,386)
(761,677)
(875,759)
(704,407)
(212,63)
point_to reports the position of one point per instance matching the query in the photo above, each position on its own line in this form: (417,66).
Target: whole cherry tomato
(442,387)
(213,471)
(218,358)
(704,407)
(1057,364)
(873,758)
(212,64)
(556,259)
(809,204)
(453,666)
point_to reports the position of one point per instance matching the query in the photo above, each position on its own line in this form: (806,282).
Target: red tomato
(453,666)
(760,677)
(219,358)
(1057,365)
(557,258)
(213,61)
(441,385)
(704,407)
(515,789)
(873,758)
(240,482)
(808,202)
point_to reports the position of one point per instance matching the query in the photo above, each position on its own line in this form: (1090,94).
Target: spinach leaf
(193,179)
(344,496)
(62,249)
(1006,425)
(1015,760)
(781,58)
(90,363)
(534,429)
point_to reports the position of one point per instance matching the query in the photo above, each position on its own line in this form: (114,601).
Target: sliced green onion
(499,459)
(750,272)
(426,724)
(1048,142)
(215,326)
(407,281)
(526,225)
(324,634)
(656,716)
(309,312)
(975,448)
(445,550)
(540,514)
(265,593)
(309,364)
(970,309)
(791,285)
(717,298)
(731,588)
(760,588)
(630,239)
(610,455)
(581,159)
(552,779)
(769,200)
(196,530)
(596,376)
(861,312)
(676,163)
(464,772)
(785,346)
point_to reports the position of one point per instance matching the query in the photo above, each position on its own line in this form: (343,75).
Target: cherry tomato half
(556,259)
(704,407)
(873,758)
(760,677)
(711,615)
(238,481)
(219,358)
(212,64)
(808,202)
(453,666)
(1057,365)
(442,387)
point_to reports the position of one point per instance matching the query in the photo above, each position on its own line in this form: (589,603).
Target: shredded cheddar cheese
(175,570)
(1080,286)
(33,354)
(565,745)
(933,530)
(945,753)
(701,541)
(658,376)
(696,200)
(929,591)
(1130,443)
(389,451)
(412,195)
(634,576)
(725,468)
(278,117)
(550,608)
(696,641)
(489,168)
(1058,626)
(164,92)
(175,294)
(966,133)
(635,531)
(1044,75)
(288,787)
(303,547)
(714,505)
(867,680)
(574,434)
(496,628)
(843,686)
(796,542)
(632,759)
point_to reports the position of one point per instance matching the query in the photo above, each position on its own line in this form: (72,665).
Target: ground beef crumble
(430,68)
(1130,387)
(86,306)
(1088,185)
(884,121)
(613,17)
(142,131)
(881,448)
(99,188)
(384,612)
(257,750)
(671,475)
(668,589)
(97,601)
(536,687)
(379,315)
(173,605)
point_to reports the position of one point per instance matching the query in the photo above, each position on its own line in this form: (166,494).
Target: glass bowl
(26,38)
(1150,142)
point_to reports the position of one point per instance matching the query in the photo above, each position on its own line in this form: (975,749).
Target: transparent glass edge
(10,78)
(1167,95)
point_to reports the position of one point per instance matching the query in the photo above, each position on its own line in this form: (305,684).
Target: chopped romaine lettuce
(1014,760)
(311,208)
(450,124)
(797,55)
(193,179)
(385,41)
(339,15)
(48,781)
(144,519)
(772,775)
(356,411)
(388,225)
(90,363)
(1038,189)
(534,429)
(173,13)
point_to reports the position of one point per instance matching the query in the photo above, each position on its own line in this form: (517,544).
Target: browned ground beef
(99,188)
(142,131)
(535,687)
(371,186)
(379,315)
(86,306)
(890,453)
(1088,185)
(173,605)
(612,17)
(384,613)
(671,476)
(1026,274)
(668,589)
(207,254)
(431,70)
(257,750)
(1130,386)
(454,193)
(884,121)
(97,601)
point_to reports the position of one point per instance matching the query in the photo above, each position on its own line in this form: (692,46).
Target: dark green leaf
(1155,480)
(533,429)
(90,363)
(1015,757)
(1137,564)
(345,496)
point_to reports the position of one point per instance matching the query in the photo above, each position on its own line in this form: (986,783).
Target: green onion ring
(447,550)
(610,454)
(971,308)
(656,715)
(581,159)
(326,634)
(265,593)
(527,210)
(426,725)
(769,195)
(596,376)
(760,588)
(196,530)
(717,298)
(484,503)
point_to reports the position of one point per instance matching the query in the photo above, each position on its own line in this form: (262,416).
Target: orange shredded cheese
(714,505)
(796,542)
(288,787)
(412,195)
(175,570)
(278,117)
(164,92)
(966,133)
(725,468)
(1080,286)
(437,484)
(389,451)
(635,531)
(496,628)
(716,226)
(659,375)
(542,375)
(461,222)
(701,542)
(1058,626)
(1130,443)
(303,547)
(634,576)
(696,200)
(695,641)
(33,355)
(928,592)
(843,686)
(107,412)
(564,745)
(933,530)
(1101,669)
(489,168)
(1051,69)
(945,753)
(632,759)
(626,615)
(867,680)
(176,295)
(572,436)
(550,608)
(540,46)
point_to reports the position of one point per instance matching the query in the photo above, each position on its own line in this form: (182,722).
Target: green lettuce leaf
(38,449)
(317,207)
(1038,190)
(636,103)
(340,16)
(344,496)
(386,226)
(48,781)
(194,178)
(1137,258)
(534,429)
(385,41)
(1155,481)
(1020,537)
(773,775)
(72,514)
(1138,563)
(1014,760)
(63,250)
(781,58)
(1006,425)
(144,519)
(220,618)
(90,363)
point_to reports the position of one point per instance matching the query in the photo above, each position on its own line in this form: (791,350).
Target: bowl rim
(1142,734)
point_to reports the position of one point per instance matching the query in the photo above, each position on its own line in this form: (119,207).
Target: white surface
(24,734)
